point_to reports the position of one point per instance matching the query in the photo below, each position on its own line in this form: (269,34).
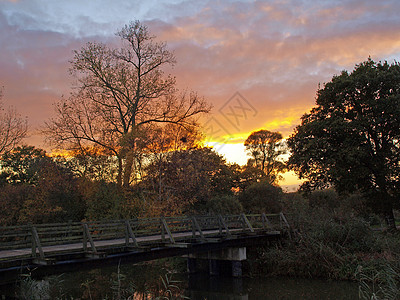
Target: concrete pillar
(214,267)
(236,268)
(191,265)
(220,261)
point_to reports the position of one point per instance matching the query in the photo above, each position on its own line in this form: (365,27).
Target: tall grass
(334,243)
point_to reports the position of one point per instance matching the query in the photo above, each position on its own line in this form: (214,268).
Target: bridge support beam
(223,261)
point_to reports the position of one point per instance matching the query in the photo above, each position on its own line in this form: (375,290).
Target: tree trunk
(386,201)
(119,176)
(389,218)
(128,167)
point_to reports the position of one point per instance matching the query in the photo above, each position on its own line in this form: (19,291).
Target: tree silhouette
(119,92)
(351,138)
(265,148)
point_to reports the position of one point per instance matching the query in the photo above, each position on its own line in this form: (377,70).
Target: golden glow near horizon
(236,153)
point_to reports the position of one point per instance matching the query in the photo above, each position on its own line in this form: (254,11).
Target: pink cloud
(273,52)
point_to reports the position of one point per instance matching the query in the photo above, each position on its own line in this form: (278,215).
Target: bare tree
(119,91)
(13,128)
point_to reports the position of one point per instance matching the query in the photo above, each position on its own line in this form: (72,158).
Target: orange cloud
(273,52)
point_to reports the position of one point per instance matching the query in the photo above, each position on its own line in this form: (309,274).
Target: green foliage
(327,198)
(334,244)
(12,200)
(247,175)
(224,204)
(29,288)
(20,165)
(93,163)
(44,189)
(350,139)
(378,282)
(104,200)
(190,177)
(261,197)
(170,289)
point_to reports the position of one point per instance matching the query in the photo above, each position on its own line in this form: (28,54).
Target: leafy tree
(92,163)
(103,200)
(265,148)
(191,177)
(247,175)
(351,138)
(224,204)
(119,92)
(326,198)
(161,142)
(12,200)
(12,128)
(45,190)
(17,166)
(261,197)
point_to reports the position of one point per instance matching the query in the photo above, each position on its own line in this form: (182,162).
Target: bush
(261,197)
(224,204)
(328,244)
(104,200)
(327,198)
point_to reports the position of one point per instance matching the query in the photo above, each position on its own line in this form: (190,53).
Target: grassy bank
(335,243)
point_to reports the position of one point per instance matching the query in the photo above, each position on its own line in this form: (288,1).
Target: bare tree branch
(13,128)
(119,91)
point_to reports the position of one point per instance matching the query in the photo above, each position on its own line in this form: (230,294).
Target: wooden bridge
(56,245)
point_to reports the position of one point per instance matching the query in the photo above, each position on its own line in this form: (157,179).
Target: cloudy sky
(258,62)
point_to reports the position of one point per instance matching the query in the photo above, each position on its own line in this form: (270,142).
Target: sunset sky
(258,62)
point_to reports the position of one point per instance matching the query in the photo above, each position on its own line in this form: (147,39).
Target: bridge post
(191,265)
(36,244)
(162,230)
(196,226)
(87,237)
(236,268)
(129,234)
(214,267)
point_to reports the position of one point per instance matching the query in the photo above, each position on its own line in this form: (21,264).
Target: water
(201,287)
(166,277)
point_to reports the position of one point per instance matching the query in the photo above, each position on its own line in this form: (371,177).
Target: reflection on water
(212,288)
(160,278)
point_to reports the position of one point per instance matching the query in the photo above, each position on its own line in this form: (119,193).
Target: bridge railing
(14,237)
(268,221)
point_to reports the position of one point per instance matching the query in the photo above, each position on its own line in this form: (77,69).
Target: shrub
(224,204)
(261,197)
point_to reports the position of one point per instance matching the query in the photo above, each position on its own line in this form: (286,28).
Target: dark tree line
(36,188)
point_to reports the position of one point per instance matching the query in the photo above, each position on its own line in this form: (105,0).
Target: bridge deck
(53,245)
(15,253)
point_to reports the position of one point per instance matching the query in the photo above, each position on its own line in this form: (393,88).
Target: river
(167,277)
